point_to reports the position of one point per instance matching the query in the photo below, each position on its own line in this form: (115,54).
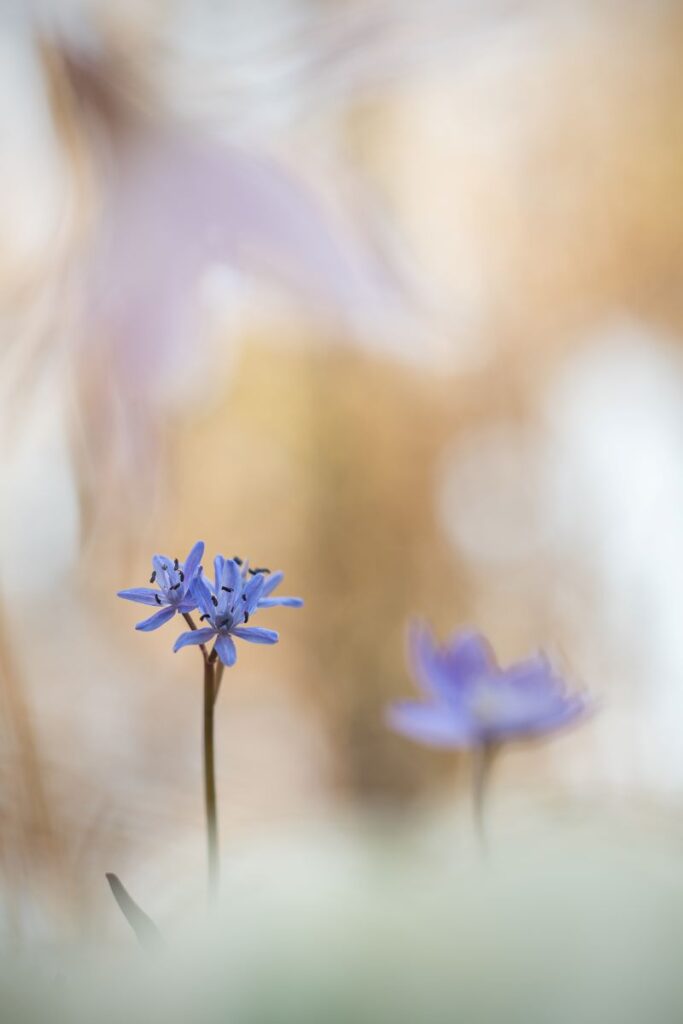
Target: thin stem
(212,681)
(482,761)
(217,679)
(210,776)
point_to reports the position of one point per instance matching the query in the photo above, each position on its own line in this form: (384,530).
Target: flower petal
(192,563)
(217,572)
(571,710)
(423,656)
(156,620)
(201,592)
(536,722)
(531,698)
(436,725)
(274,602)
(162,563)
(231,576)
(252,592)
(193,636)
(272,581)
(143,595)
(468,655)
(226,650)
(255,635)
(442,672)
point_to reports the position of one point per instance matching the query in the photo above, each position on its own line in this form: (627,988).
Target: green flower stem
(483,755)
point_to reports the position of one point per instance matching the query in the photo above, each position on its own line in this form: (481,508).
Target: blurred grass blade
(147,933)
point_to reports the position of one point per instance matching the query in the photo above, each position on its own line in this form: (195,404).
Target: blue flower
(272,581)
(471,702)
(174,591)
(227,605)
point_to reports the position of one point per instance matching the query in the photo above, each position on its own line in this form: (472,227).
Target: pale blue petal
(143,595)
(572,709)
(201,593)
(468,656)
(424,660)
(537,722)
(272,581)
(218,563)
(192,563)
(194,636)
(231,576)
(444,672)
(435,725)
(525,700)
(255,635)
(156,620)
(534,674)
(274,602)
(161,563)
(252,592)
(226,650)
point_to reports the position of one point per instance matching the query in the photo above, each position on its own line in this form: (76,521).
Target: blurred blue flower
(471,702)
(228,603)
(174,591)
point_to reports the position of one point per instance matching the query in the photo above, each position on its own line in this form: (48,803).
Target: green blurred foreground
(565,922)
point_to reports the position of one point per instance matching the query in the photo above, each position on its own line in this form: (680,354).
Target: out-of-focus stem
(147,933)
(482,761)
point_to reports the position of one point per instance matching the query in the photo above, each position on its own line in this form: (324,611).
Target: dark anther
(255,572)
(236,558)
(175,586)
(164,567)
(246,617)
(157,599)
(182,575)
(214,599)
(175,564)
(205,616)
(244,597)
(153,576)
(227,589)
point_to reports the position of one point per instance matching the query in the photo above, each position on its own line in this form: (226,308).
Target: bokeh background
(386,295)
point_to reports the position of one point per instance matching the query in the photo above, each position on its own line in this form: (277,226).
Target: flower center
(486,705)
